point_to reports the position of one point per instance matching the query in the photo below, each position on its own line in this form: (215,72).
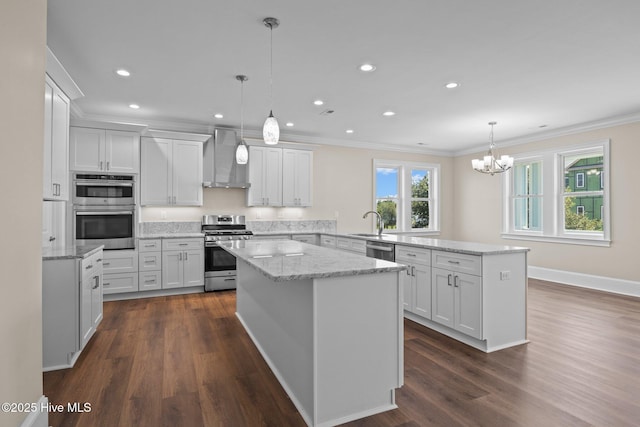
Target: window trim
(404,195)
(579,175)
(553,198)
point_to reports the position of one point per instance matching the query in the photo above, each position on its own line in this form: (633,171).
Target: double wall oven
(104,210)
(220,265)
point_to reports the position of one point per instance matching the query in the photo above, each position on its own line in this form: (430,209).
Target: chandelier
(271,130)
(490,164)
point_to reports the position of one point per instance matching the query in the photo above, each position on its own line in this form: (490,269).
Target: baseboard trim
(601,283)
(38,418)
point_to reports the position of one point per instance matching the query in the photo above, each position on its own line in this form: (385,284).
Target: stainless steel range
(220,265)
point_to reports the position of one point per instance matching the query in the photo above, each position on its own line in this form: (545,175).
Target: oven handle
(104,184)
(104,213)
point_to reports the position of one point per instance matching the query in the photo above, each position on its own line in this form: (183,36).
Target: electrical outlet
(163,214)
(505,275)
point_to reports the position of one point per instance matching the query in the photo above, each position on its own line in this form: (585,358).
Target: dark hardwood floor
(187,361)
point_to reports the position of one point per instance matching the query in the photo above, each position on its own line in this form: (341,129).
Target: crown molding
(556,133)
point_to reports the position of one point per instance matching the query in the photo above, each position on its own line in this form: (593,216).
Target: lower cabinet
(312,239)
(150,265)
(120,271)
(182,263)
(71,307)
(416,279)
(456,296)
(356,246)
(327,241)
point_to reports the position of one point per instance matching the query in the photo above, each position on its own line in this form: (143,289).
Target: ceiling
(535,67)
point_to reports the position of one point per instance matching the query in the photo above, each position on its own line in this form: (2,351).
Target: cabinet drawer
(149,261)
(329,241)
(150,280)
(352,245)
(312,239)
(149,245)
(413,255)
(90,264)
(471,264)
(119,283)
(182,244)
(120,262)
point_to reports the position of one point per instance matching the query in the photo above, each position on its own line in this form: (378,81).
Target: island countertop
(284,260)
(70,252)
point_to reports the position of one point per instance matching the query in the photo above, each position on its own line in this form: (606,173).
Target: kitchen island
(328,324)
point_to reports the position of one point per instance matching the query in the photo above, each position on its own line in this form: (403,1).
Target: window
(406,195)
(559,195)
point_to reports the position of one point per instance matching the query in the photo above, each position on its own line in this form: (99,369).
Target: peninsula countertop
(70,252)
(284,260)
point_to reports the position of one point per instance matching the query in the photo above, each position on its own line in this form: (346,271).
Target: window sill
(584,241)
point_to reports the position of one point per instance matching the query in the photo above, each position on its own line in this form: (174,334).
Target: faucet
(380,223)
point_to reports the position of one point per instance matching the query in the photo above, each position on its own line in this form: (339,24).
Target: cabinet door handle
(107,165)
(97,285)
(88,267)
(99,260)
(186,256)
(179,256)
(100,164)
(449,279)
(413,271)
(455,281)
(408,270)
(52,238)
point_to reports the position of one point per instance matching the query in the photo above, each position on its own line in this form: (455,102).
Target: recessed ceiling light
(452,85)
(123,73)
(218,116)
(388,113)
(349,131)
(367,68)
(134,106)
(289,124)
(318,102)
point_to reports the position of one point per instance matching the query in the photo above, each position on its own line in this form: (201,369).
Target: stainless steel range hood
(220,168)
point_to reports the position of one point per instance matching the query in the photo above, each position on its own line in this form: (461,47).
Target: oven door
(103,192)
(113,227)
(219,268)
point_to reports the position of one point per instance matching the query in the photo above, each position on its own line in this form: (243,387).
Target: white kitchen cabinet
(297,170)
(416,279)
(312,239)
(120,271)
(71,307)
(265,176)
(149,264)
(53,224)
(356,246)
(182,263)
(457,296)
(100,150)
(56,142)
(171,172)
(327,241)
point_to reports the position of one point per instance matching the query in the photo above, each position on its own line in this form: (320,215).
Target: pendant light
(242,153)
(271,130)
(490,164)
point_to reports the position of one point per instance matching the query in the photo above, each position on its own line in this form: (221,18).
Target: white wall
(22,43)
(478,213)
(342,183)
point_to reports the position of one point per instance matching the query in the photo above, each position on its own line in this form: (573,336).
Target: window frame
(553,181)
(405,196)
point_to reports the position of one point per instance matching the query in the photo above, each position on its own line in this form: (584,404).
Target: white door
(122,152)
(442,296)
(194,267)
(172,267)
(468,304)
(187,173)
(422,278)
(87,149)
(155,174)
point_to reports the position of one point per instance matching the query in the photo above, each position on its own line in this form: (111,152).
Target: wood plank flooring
(187,361)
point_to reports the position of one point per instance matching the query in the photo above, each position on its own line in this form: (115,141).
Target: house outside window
(406,195)
(559,195)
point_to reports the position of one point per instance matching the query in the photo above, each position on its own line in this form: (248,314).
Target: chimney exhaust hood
(220,169)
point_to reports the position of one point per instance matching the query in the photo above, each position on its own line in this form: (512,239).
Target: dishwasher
(381,250)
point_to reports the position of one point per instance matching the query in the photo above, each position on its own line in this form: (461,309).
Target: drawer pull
(88,267)
(150,281)
(183,244)
(106,284)
(99,260)
(106,263)
(151,245)
(454,262)
(410,254)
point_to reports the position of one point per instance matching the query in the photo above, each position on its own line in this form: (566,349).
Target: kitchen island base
(334,343)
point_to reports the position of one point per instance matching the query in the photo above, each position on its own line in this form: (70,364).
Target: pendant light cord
(242,111)
(271,64)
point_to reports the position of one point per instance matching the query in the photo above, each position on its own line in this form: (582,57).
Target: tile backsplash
(293,226)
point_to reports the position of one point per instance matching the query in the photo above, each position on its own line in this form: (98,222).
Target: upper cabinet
(296,177)
(279,177)
(56,142)
(265,176)
(171,172)
(100,150)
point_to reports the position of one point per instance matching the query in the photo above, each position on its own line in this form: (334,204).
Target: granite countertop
(70,252)
(284,260)
(170,235)
(471,248)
